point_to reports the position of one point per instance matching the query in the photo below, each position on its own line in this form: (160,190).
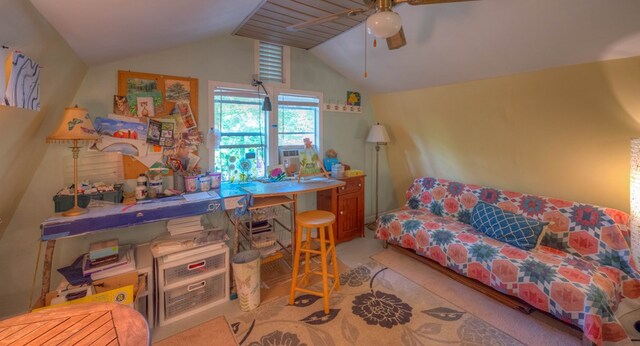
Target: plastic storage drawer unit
(191,281)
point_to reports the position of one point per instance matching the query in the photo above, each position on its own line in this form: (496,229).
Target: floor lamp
(77,130)
(378,135)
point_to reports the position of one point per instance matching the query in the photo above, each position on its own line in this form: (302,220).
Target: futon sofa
(579,271)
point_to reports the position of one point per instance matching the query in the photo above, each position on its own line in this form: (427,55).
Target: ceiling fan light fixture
(384,24)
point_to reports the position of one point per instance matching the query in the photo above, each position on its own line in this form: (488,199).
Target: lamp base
(75,211)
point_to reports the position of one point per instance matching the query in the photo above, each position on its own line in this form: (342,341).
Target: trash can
(246,273)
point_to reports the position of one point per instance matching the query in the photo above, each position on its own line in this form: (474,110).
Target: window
(242,124)
(251,139)
(297,119)
(272,63)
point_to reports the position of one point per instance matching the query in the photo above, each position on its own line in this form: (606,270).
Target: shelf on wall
(334,107)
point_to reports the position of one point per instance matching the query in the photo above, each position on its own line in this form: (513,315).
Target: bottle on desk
(141,188)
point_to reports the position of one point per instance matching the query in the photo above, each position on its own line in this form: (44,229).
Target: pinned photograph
(138,88)
(177,90)
(153,133)
(121,105)
(184,109)
(145,107)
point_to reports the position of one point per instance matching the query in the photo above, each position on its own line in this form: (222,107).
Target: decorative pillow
(505,226)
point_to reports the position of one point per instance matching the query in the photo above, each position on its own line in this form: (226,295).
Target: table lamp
(378,135)
(77,130)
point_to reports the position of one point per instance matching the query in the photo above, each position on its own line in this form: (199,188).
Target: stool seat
(315,218)
(322,222)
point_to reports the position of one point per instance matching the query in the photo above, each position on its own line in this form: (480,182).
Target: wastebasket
(246,273)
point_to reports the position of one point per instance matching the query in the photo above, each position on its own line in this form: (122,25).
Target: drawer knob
(359,185)
(342,188)
(341,212)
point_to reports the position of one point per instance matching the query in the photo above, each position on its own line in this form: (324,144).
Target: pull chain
(365,50)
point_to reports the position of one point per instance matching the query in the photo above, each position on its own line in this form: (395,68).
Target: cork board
(162,107)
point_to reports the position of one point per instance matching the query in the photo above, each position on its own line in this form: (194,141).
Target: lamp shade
(634,193)
(384,24)
(378,134)
(75,125)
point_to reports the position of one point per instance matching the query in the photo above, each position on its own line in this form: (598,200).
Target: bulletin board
(162,106)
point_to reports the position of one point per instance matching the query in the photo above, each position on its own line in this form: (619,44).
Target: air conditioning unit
(289,156)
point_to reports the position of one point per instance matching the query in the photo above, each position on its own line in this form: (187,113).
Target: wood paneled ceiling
(270,21)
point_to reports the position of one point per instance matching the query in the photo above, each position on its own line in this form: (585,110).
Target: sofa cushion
(505,226)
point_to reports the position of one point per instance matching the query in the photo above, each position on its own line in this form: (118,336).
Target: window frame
(272,155)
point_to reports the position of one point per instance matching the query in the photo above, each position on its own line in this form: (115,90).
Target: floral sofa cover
(579,273)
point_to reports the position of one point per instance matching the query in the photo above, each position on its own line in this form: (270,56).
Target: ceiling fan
(384,23)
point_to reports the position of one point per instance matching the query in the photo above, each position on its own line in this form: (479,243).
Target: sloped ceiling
(446,43)
(450,43)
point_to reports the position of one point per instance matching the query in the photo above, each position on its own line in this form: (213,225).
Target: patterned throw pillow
(505,226)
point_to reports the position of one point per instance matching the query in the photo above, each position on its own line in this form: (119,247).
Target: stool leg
(307,257)
(323,259)
(296,264)
(334,259)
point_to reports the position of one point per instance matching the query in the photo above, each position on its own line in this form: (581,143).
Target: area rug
(536,328)
(275,278)
(374,306)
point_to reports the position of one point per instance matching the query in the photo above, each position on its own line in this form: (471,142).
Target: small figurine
(330,160)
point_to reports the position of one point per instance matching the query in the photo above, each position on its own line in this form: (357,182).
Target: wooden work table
(80,324)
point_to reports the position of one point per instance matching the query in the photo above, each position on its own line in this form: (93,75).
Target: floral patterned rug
(374,306)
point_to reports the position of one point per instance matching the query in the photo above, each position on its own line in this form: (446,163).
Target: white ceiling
(446,43)
(106,30)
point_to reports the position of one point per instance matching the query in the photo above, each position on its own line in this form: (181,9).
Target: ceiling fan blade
(429,2)
(327,18)
(396,41)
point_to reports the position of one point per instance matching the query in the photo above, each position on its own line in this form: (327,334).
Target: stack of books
(124,263)
(185,225)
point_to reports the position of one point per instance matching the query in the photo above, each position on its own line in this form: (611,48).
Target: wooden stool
(322,221)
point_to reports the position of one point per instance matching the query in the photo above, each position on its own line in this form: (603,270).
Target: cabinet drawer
(352,185)
(193,268)
(181,300)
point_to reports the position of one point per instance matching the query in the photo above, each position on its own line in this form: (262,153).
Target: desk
(90,323)
(273,194)
(118,216)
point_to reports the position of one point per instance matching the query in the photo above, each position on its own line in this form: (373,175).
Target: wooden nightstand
(347,203)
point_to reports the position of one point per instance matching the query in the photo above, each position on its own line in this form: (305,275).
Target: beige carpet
(534,329)
(374,306)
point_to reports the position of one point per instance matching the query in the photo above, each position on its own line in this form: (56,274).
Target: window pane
(232,162)
(242,124)
(297,119)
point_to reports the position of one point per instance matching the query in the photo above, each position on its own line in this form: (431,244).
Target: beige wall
(26,185)
(562,132)
(22,132)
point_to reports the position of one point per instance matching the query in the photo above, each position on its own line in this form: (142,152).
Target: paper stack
(126,263)
(185,225)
